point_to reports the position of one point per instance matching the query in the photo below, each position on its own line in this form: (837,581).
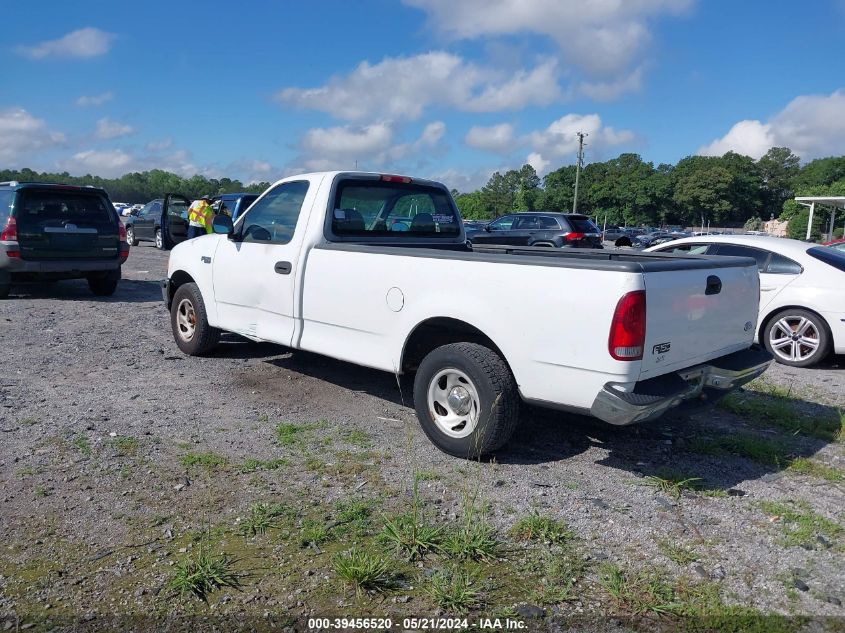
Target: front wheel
(160,240)
(189,322)
(466,399)
(796,337)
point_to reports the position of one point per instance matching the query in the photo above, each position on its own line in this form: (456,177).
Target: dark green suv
(52,232)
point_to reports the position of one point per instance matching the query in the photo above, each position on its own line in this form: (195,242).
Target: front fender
(194,259)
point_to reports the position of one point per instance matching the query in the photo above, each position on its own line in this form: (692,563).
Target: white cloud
(22,134)
(495,138)
(108,129)
(399,88)
(106,163)
(157,146)
(86,101)
(82,43)
(811,125)
(557,140)
(613,89)
(370,146)
(602,37)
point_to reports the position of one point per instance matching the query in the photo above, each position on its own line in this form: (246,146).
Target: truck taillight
(392,178)
(627,330)
(10,231)
(570,237)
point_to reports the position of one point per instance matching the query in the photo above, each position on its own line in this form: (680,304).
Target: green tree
(778,169)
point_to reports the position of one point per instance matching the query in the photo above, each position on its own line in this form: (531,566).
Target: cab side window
(273,218)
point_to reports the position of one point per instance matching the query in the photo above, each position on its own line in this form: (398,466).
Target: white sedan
(802,292)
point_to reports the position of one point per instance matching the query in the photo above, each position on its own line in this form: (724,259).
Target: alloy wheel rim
(186,320)
(158,239)
(454,403)
(794,338)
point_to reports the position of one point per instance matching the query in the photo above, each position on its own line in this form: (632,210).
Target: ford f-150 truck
(318,264)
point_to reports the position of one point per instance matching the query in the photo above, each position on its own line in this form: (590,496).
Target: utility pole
(581,136)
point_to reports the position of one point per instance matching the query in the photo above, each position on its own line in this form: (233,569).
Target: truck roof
(365,175)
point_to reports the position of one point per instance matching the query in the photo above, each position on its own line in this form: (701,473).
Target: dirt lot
(134,475)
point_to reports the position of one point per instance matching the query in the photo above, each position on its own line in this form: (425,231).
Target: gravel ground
(101,416)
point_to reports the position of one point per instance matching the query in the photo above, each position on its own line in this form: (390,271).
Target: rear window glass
(735,250)
(582,224)
(780,265)
(7,198)
(58,208)
(832,256)
(376,208)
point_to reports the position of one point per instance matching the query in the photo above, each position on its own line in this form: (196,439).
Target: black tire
(203,338)
(104,284)
(5,289)
(817,329)
(159,240)
(498,398)
(130,236)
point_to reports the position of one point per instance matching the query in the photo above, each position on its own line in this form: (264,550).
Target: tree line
(726,191)
(141,187)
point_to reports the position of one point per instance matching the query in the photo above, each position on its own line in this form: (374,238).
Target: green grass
(208,461)
(82,445)
(454,589)
(426,475)
(314,464)
(813,468)
(125,445)
(41,491)
(364,570)
(253,465)
(202,573)
(258,520)
(560,574)
(290,434)
(677,552)
(799,524)
(314,533)
(535,527)
(672,483)
(357,437)
(411,535)
(768,404)
(474,540)
(639,593)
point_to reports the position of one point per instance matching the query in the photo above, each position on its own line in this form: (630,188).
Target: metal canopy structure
(834,202)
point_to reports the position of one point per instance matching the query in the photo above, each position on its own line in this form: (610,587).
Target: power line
(578,165)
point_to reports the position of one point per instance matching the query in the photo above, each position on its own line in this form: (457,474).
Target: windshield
(378,208)
(832,256)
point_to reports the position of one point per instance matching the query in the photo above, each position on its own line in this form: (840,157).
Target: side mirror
(222,224)
(487,228)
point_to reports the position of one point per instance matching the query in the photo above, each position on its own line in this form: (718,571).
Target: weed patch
(82,445)
(672,483)
(202,573)
(535,527)
(677,553)
(364,570)
(253,465)
(454,589)
(411,535)
(208,461)
(800,526)
(125,445)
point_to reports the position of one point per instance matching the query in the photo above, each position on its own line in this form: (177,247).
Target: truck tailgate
(696,315)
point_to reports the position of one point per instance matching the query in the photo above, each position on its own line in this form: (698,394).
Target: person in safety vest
(200,216)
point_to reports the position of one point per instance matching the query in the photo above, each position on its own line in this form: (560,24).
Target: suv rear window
(582,224)
(58,208)
(832,256)
(395,209)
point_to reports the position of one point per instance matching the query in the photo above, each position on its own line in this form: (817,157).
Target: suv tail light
(10,231)
(121,232)
(572,236)
(627,330)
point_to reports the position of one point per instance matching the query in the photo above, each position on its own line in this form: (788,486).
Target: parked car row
(553,230)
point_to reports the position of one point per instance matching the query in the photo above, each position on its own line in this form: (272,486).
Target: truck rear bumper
(699,384)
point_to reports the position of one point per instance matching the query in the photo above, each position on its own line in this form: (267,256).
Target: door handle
(283,268)
(714,285)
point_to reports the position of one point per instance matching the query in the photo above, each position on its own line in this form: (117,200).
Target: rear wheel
(159,240)
(796,337)
(5,288)
(104,284)
(189,322)
(466,399)
(130,236)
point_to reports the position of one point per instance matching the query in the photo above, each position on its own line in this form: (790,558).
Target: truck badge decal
(661,348)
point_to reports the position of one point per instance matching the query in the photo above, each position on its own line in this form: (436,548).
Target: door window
(548,223)
(528,223)
(502,224)
(273,218)
(735,250)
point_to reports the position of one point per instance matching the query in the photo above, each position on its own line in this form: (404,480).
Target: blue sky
(448,89)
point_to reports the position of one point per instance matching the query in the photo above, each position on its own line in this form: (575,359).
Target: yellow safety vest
(199,213)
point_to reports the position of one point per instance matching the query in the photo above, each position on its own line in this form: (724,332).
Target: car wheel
(466,399)
(104,284)
(5,289)
(159,240)
(130,236)
(796,337)
(189,322)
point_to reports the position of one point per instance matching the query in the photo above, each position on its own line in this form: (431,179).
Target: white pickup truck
(374,269)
